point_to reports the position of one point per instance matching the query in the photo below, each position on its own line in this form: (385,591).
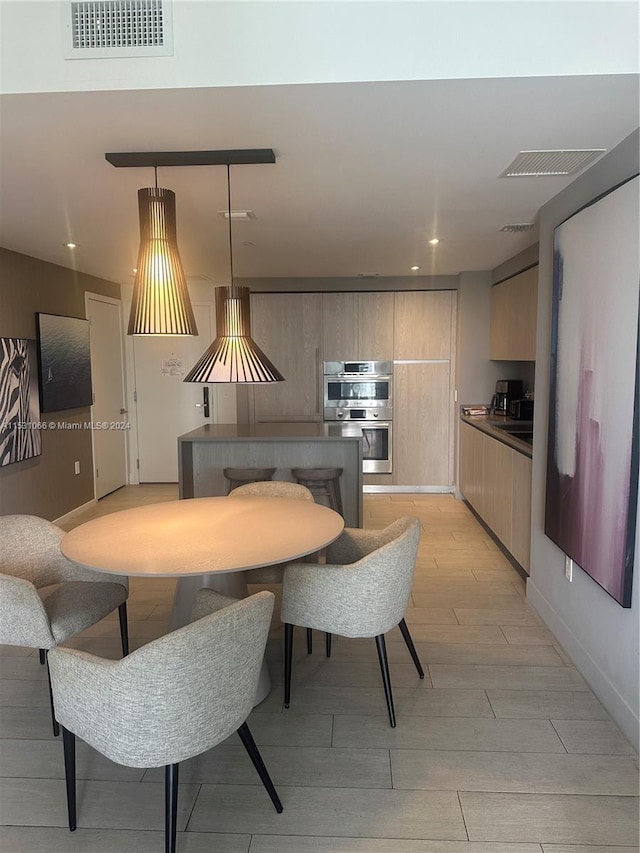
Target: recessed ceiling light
(434,241)
(71,245)
(415,268)
(135,269)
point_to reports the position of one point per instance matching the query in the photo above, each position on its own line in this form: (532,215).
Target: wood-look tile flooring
(502,748)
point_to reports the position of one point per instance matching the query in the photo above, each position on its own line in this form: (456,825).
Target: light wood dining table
(203,542)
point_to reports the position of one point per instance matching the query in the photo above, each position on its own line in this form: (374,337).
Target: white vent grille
(518,227)
(237,214)
(119,28)
(537,164)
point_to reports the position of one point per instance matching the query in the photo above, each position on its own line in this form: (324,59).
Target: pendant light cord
(229,215)
(155,170)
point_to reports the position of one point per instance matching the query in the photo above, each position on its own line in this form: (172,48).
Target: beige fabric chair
(362,591)
(45,598)
(270,489)
(169,700)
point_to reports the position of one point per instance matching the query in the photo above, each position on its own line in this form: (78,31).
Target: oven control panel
(380,413)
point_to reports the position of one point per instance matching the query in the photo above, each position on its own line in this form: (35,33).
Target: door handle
(205,399)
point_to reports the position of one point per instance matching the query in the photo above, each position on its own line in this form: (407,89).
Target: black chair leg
(43,656)
(309,641)
(170,806)
(254,754)
(327,639)
(412,649)
(288,656)
(56,727)
(69,746)
(386,680)
(124,630)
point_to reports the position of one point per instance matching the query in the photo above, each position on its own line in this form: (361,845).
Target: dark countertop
(494,425)
(266,432)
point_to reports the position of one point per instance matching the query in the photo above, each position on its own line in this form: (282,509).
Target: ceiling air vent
(518,227)
(237,214)
(538,164)
(118,29)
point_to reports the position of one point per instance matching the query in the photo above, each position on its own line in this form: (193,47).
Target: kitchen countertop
(267,432)
(494,425)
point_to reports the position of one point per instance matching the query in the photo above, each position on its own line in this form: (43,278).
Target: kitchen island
(203,453)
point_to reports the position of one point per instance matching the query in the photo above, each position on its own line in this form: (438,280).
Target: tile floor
(501,749)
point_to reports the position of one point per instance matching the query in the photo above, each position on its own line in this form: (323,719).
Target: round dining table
(203,542)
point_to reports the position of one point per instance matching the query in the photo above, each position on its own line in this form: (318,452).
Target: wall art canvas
(592,462)
(65,362)
(19,408)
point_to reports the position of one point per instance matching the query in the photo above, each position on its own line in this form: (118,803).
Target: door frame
(99,297)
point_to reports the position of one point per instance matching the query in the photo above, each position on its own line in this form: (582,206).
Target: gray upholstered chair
(169,700)
(362,591)
(270,489)
(46,598)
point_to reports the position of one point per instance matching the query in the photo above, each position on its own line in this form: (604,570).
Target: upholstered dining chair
(169,700)
(362,591)
(45,598)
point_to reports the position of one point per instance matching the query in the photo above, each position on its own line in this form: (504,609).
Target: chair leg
(69,746)
(309,641)
(327,640)
(170,806)
(412,649)
(386,680)
(56,727)
(254,754)
(43,656)
(288,657)
(124,630)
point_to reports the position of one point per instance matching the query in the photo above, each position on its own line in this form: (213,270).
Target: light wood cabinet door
(514,307)
(375,326)
(422,425)
(471,466)
(423,324)
(340,326)
(521,512)
(497,464)
(287,326)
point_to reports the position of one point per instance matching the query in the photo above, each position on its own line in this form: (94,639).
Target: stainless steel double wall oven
(358,400)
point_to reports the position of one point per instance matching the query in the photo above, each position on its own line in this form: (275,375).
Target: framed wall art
(19,408)
(65,362)
(592,461)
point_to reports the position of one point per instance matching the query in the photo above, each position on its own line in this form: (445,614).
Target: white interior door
(166,405)
(108,410)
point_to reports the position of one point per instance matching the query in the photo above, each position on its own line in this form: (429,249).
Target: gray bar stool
(323,483)
(240,476)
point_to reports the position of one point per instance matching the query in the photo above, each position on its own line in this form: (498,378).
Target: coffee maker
(506,391)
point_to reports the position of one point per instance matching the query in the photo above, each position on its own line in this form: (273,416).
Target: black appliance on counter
(521,410)
(507,390)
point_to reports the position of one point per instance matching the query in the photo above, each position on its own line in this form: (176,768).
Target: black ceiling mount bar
(191,158)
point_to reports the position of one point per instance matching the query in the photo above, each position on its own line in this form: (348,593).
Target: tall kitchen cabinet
(357,326)
(287,326)
(424,380)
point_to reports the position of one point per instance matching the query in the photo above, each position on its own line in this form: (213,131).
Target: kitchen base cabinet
(496,480)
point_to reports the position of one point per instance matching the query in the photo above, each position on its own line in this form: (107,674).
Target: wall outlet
(76,467)
(568,568)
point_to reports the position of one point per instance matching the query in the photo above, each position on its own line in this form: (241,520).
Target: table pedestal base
(227,583)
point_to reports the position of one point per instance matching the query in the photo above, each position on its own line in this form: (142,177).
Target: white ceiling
(366,173)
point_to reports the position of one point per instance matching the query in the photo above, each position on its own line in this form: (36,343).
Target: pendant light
(160,304)
(233,356)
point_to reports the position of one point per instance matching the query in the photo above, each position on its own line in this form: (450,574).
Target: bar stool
(240,476)
(323,483)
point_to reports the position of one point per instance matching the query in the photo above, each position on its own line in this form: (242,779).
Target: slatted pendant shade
(160,304)
(233,356)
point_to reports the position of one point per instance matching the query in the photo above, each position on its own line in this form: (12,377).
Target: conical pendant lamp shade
(233,356)
(160,304)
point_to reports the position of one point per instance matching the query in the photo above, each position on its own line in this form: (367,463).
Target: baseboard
(421,490)
(598,681)
(72,512)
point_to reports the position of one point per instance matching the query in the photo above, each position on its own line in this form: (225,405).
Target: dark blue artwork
(65,362)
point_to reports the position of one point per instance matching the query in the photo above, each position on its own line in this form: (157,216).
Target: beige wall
(46,485)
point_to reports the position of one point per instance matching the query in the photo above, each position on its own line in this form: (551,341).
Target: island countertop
(267,432)
(205,452)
